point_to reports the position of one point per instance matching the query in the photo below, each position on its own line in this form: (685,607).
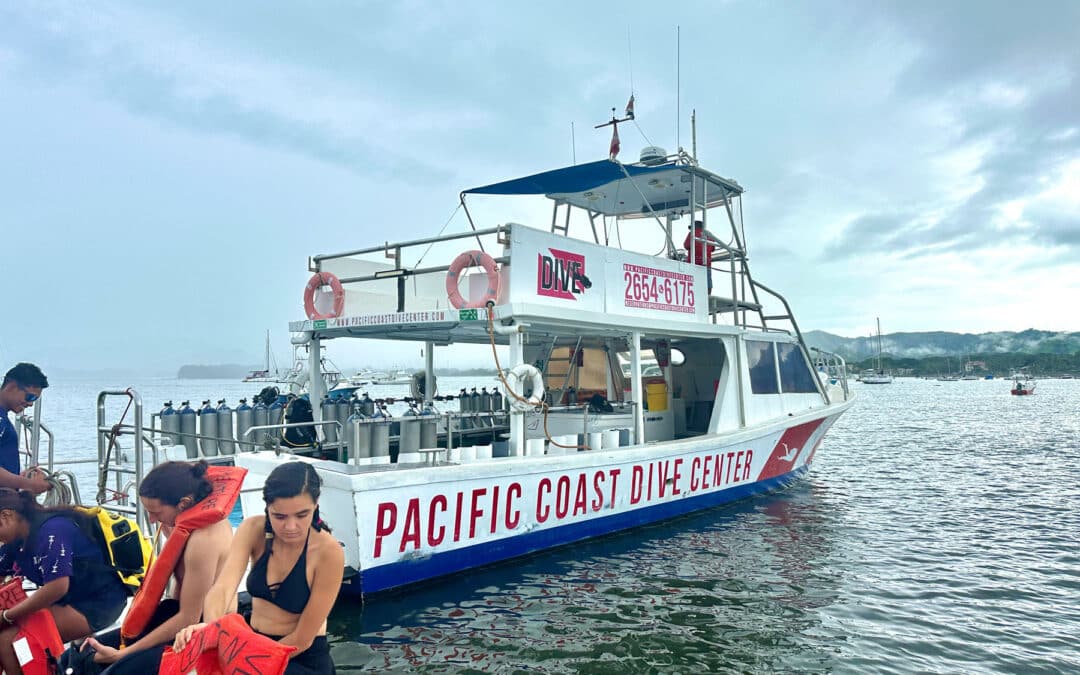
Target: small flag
(630,107)
(614,150)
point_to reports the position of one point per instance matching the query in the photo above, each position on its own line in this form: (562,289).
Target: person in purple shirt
(22,386)
(49,547)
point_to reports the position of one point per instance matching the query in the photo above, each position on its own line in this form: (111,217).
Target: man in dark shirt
(22,386)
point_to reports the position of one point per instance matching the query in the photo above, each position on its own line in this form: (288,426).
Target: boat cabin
(610,298)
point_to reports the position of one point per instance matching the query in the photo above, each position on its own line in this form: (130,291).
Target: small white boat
(878,375)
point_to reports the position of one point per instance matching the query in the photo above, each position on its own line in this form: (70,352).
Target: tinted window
(795,375)
(762,362)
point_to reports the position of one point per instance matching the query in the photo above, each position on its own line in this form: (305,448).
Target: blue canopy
(603,187)
(577,178)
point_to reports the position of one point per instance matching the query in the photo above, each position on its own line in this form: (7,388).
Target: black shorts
(315,660)
(99,612)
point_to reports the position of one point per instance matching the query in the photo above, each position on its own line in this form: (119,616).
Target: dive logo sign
(561,274)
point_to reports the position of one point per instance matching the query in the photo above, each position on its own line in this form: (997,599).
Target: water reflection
(724,589)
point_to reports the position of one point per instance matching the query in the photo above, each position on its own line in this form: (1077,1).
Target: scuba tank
(329,414)
(571,396)
(429,427)
(226,445)
(464,406)
(208,429)
(409,437)
(367,406)
(170,425)
(496,400)
(260,417)
(359,433)
(275,414)
(485,400)
(244,421)
(380,433)
(342,409)
(187,429)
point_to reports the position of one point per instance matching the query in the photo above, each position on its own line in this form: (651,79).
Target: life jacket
(227,646)
(123,547)
(216,506)
(37,631)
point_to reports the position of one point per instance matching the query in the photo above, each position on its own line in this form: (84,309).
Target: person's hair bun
(199,469)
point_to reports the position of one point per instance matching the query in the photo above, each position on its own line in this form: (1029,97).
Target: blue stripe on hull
(407,572)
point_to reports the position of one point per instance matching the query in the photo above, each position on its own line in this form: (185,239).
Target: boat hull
(405,524)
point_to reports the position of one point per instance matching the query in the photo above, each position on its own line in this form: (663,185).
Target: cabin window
(762,361)
(795,375)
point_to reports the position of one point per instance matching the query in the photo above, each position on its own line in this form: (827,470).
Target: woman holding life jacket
(168,491)
(50,547)
(296,570)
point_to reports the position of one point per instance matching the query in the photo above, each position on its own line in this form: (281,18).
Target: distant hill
(223,371)
(939,343)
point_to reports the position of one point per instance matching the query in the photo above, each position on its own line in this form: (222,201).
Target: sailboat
(266,374)
(878,376)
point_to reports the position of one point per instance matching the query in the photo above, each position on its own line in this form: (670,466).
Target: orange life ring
(227,482)
(317,281)
(472,259)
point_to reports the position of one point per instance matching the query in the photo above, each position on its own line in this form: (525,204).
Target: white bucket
(454,455)
(611,439)
(534,447)
(468,454)
(483,452)
(596,440)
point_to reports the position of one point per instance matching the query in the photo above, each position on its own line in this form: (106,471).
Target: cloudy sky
(166,168)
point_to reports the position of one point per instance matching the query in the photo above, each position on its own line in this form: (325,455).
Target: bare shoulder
(327,549)
(211,535)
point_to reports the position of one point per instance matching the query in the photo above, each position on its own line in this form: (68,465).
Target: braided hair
(293,479)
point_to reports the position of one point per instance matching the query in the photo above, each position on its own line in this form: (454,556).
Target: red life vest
(227,646)
(37,631)
(226,481)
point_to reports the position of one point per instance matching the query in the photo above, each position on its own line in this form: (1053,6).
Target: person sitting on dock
(704,244)
(168,492)
(22,386)
(76,584)
(296,575)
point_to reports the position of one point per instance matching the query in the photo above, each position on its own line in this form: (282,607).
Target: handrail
(415,242)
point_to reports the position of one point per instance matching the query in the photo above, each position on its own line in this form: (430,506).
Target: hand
(185,635)
(38,484)
(105,654)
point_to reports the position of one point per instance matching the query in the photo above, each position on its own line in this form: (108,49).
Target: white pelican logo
(790,454)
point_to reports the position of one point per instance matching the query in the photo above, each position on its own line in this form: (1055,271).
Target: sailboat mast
(267,350)
(879,344)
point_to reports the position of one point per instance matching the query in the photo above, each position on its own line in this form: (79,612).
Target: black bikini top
(291,593)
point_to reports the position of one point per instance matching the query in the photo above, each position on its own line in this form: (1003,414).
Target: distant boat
(1022,384)
(269,372)
(392,377)
(878,376)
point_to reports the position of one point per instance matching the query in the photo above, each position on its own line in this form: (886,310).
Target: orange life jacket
(38,630)
(226,481)
(227,646)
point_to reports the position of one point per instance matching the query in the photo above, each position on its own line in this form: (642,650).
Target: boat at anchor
(584,447)
(632,388)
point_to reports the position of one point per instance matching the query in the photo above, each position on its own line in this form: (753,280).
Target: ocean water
(938,531)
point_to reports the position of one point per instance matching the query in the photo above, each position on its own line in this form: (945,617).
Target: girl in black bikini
(296,571)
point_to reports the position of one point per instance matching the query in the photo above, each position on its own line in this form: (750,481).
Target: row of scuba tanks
(365,422)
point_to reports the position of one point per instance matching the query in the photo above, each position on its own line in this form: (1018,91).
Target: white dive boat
(878,375)
(730,406)
(743,414)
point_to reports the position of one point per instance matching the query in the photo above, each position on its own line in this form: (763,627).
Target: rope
(59,492)
(103,470)
(542,405)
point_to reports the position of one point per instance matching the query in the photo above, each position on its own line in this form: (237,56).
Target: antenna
(630,58)
(693,133)
(678,82)
(573,146)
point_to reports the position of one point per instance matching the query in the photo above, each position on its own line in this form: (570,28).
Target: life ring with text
(316,282)
(516,378)
(472,259)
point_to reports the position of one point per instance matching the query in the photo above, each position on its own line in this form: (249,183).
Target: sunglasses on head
(28,397)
